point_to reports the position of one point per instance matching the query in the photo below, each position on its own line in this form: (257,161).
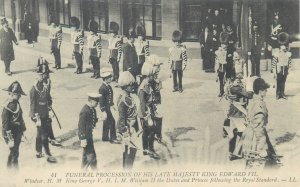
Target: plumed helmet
(3,21)
(154,60)
(93,27)
(224,37)
(75,22)
(15,87)
(140,30)
(177,36)
(114,27)
(260,84)
(147,69)
(125,79)
(283,38)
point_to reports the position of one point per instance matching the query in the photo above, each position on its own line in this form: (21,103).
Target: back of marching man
(178,60)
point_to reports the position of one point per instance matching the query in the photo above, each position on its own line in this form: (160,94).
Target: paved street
(192,124)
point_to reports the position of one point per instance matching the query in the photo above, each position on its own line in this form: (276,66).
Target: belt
(42,103)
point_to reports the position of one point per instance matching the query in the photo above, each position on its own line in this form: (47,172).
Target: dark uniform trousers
(115,67)
(109,127)
(89,158)
(42,137)
(13,156)
(128,157)
(140,64)
(7,66)
(79,61)
(158,125)
(148,135)
(57,57)
(95,61)
(221,76)
(179,74)
(255,64)
(281,79)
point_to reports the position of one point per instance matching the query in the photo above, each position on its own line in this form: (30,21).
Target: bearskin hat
(114,27)
(75,22)
(177,36)
(283,38)
(15,87)
(140,30)
(224,37)
(93,27)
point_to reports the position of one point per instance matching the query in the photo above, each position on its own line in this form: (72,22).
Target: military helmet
(224,37)
(75,22)
(15,87)
(125,79)
(114,27)
(177,36)
(93,27)
(140,30)
(283,38)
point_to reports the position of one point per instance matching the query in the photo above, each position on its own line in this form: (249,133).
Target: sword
(55,117)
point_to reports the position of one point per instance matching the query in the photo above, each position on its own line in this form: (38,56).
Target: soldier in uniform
(256,46)
(106,102)
(40,101)
(178,60)
(55,36)
(87,122)
(281,63)
(142,47)
(95,47)
(77,41)
(7,37)
(238,65)
(127,122)
(13,124)
(115,49)
(221,61)
(276,28)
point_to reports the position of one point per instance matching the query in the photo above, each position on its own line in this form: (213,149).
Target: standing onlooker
(7,37)
(130,58)
(256,46)
(206,43)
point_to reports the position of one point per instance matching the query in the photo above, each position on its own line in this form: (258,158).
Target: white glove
(83,143)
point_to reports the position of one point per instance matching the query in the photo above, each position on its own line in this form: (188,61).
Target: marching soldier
(87,122)
(13,124)
(77,41)
(115,49)
(55,36)
(95,47)
(127,122)
(281,63)
(142,47)
(221,61)
(178,60)
(130,57)
(40,102)
(256,47)
(106,102)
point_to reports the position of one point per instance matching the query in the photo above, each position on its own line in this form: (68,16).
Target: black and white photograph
(149,93)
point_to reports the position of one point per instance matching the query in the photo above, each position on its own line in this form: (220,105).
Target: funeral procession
(95,85)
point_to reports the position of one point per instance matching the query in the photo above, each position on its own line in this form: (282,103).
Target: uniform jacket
(55,36)
(87,122)
(178,57)
(257,106)
(6,44)
(142,47)
(130,58)
(115,47)
(281,62)
(145,94)
(12,118)
(256,43)
(221,60)
(107,97)
(94,45)
(276,28)
(40,100)
(77,41)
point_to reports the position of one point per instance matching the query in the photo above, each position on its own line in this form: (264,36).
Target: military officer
(178,60)
(77,42)
(127,122)
(256,47)
(13,124)
(106,102)
(40,101)
(95,47)
(276,28)
(142,46)
(87,122)
(221,61)
(115,49)
(55,36)
(281,63)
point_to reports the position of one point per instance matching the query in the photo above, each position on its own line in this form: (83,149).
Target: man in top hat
(281,63)
(130,57)
(127,122)
(55,36)
(142,46)
(78,43)
(106,102)
(13,123)
(178,60)
(115,49)
(40,102)
(256,46)
(7,37)
(95,47)
(207,49)
(221,56)
(87,122)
